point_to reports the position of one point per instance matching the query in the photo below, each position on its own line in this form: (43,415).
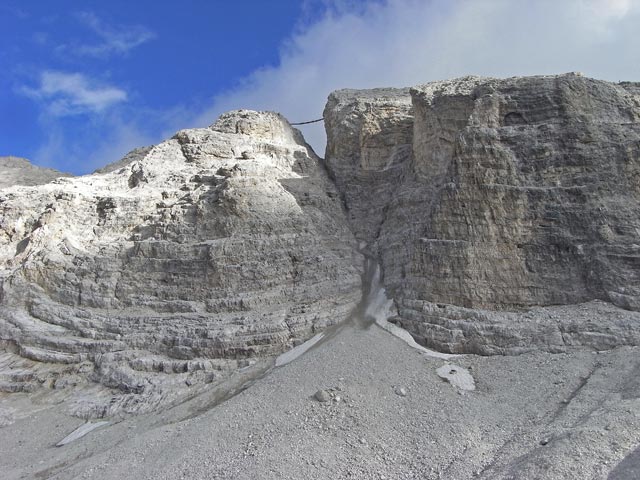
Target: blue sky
(83,82)
(81,73)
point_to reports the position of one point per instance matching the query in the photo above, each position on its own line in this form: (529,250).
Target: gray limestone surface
(505,218)
(536,416)
(486,198)
(134,155)
(210,251)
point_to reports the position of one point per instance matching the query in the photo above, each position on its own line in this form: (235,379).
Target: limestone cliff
(483,195)
(505,215)
(217,246)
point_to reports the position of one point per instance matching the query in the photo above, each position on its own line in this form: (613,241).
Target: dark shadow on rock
(628,468)
(631,388)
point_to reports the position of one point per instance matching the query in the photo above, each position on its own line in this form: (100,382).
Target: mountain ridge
(484,200)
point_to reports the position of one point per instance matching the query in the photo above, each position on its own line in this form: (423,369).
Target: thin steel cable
(310,121)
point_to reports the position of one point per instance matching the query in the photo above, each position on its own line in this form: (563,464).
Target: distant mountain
(19,171)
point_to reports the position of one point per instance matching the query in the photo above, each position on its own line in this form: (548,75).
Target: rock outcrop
(482,196)
(218,246)
(135,155)
(505,217)
(19,171)
(504,213)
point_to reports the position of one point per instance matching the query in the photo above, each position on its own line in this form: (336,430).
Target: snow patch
(80,432)
(291,355)
(381,308)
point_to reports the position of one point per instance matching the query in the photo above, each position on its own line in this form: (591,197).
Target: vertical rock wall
(514,194)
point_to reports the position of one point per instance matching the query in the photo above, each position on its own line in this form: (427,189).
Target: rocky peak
(269,126)
(219,245)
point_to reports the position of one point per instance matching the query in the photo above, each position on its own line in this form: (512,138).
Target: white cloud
(73,93)
(610,8)
(114,39)
(406,42)
(358,44)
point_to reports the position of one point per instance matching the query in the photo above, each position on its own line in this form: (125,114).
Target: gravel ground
(389,416)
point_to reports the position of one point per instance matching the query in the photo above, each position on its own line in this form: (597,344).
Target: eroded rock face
(369,145)
(19,171)
(488,195)
(217,246)
(504,214)
(135,155)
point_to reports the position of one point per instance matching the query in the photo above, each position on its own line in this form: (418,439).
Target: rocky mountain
(503,213)
(19,171)
(218,247)
(484,196)
(485,216)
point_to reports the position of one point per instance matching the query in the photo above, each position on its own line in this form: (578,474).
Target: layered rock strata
(215,247)
(482,196)
(504,214)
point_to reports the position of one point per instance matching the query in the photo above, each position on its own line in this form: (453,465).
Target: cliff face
(505,215)
(369,147)
(490,195)
(218,245)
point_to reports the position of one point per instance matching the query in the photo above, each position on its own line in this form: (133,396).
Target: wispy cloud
(14,11)
(89,146)
(406,42)
(611,8)
(114,39)
(67,94)
(40,38)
